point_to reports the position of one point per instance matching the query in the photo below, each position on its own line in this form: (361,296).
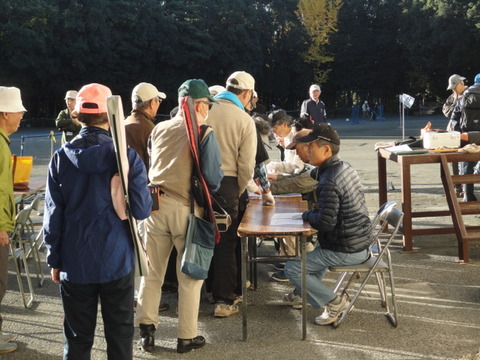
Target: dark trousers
(224,263)
(80,302)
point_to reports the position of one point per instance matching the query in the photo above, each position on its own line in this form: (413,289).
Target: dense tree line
(367,49)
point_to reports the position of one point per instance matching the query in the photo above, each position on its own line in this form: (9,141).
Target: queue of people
(90,249)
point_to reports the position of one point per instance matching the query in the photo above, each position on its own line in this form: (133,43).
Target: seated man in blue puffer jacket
(341,218)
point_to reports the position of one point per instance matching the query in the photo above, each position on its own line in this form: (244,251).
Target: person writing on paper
(90,249)
(171,171)
(341,218)
(11,113)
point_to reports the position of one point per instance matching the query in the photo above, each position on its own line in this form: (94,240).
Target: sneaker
(279,266)
(223,310)
(332,311)
(7,347)
(291,297)
(4,337)
(238,300)
(279,276)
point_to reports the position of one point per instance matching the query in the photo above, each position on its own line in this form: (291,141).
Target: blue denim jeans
(318,261)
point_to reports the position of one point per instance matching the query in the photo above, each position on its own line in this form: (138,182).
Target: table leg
(382,180)
(304,286)
(244,241)
(407,207)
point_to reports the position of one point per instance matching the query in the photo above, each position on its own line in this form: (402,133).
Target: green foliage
(320,19)
(357,49)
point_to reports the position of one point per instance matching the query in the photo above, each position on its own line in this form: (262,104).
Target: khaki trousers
(167,228)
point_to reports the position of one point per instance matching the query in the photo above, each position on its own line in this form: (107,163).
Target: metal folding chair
(33,223)
(17,254)
(376,264)
(29,240)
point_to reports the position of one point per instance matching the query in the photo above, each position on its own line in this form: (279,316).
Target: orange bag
(21,170)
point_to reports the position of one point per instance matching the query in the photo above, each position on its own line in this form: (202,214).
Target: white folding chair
(17,254)
(376,264)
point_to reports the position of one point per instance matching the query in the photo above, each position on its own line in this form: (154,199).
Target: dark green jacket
(65,124)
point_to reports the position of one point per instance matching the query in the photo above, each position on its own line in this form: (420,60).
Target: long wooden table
(406,161)
(257,222)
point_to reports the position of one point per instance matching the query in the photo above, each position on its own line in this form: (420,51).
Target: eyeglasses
(210,104)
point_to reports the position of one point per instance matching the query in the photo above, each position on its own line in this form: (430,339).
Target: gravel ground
(438,298)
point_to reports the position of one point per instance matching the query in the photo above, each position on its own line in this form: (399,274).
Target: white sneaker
(4,337)
(332,312)
(225,310)
(291,297)
(6,347)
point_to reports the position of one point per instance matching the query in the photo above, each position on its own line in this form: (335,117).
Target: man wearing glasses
(171,172)
(146,100)
(341,218)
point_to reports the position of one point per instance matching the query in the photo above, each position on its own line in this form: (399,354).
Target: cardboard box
(433,140)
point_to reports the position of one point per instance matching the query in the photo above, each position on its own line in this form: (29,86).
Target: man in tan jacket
(237,141)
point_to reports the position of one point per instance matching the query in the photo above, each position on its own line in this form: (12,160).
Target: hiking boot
(6,347)
(291,297)
(186,345)
(223,310)
(279,276)
(147,334)
(4,337)
(333,311)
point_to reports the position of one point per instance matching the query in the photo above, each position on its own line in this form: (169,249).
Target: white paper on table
(287,219)
(399,148)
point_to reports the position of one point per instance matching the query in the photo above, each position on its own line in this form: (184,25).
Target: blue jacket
(341,215)
(84,236)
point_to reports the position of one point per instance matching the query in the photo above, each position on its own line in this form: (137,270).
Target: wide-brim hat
(11,100)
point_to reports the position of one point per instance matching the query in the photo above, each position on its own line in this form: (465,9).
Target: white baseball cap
(144,92)
(454,80)
(71,94)
(315,87)
(241,80)
(215,89)
(11,100)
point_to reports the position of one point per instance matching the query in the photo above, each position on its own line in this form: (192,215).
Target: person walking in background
(90,249)
(171,174)
(11,113)
(366,110)
(68,125)
(314,108)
